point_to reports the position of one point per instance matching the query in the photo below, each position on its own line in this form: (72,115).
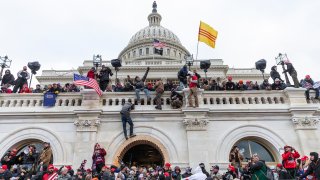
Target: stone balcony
(212,100)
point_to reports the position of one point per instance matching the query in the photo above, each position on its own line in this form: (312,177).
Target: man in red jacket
(193,88)
(289,160)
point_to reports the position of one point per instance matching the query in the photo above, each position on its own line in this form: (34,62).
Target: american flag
(85,81)
(158,44)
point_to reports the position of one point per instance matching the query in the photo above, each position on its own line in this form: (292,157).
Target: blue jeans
(145,90)
(126,120)
(181,86)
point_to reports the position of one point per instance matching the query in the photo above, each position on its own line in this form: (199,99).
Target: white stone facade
(185,136)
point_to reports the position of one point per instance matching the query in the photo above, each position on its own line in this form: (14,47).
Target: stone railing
(36,100)
(207,99)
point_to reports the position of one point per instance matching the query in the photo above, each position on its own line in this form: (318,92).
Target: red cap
(304,158)
(4,167)
(69,168)
(307,76)
(50,166)
(88,170)
(167,165)
(279,165)
(229,78)
(232,168)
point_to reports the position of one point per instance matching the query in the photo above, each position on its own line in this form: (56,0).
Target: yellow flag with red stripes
(207,34)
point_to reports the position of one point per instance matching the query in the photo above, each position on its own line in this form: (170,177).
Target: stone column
(196,123)
(304,120)
(87,125)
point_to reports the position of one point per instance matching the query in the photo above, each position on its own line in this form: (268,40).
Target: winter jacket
(198,175)
(127,107)
(91,74)
(307,83)
(259,171)
(7,79)
(104,74)
(98,158)
(23,76)
(30,158)
(159,87)
(230,85)
(182,75)
(280,86)
(290,69)
(45,156)
(140,84)
(314,167)
(289,159)
(274,74)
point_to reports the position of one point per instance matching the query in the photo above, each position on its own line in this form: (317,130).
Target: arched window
(248,147)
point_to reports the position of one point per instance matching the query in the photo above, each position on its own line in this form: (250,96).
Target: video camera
(34,66)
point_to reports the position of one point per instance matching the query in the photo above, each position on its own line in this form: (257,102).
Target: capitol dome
(140,46)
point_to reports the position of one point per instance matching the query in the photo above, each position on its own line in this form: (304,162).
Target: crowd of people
(30,164)
(187,79)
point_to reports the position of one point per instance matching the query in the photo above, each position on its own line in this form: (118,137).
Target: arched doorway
(134,147)
(143,155)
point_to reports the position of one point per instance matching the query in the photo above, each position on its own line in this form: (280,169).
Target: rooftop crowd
(35,164)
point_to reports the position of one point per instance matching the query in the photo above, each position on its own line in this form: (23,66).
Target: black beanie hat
(315,154)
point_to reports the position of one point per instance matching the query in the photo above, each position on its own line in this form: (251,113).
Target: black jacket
(140,84)
(104,74)
(275,74)
(7,79)
(314,167)
(290,69)
(230,86)
(175,95)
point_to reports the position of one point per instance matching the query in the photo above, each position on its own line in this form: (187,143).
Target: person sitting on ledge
(139,85)
(278,85)
(308,83)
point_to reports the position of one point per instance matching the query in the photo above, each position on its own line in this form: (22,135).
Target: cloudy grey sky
(62,33)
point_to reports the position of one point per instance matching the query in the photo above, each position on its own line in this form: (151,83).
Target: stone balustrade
(207,99)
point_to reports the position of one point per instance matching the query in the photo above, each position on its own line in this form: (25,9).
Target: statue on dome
(154,6)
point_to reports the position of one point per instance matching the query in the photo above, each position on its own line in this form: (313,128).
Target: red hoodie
(194,80)
(289,159)
(90,74)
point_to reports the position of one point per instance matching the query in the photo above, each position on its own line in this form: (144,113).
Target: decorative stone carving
(307,122)
(87,125)
(196,124)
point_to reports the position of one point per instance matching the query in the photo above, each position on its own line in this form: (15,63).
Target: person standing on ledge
(293,73)
(125,118)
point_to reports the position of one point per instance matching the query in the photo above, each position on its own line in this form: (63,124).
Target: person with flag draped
(207,34)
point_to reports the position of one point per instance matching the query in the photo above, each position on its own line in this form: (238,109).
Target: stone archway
(138,140)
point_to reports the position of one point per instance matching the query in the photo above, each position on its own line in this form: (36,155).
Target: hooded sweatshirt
(198,175)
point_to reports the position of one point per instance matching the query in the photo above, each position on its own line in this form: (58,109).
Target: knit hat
(69,168)
(240,82)
(167,165)
(307,76)
(229,78)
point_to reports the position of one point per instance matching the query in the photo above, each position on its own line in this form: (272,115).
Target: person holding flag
(86,81)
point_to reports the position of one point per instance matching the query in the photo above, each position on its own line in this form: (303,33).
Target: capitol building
(260,122)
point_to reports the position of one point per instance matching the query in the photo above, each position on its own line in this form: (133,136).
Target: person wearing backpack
(258,168)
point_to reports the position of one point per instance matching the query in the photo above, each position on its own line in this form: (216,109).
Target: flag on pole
(85,81)
(158,44)
(207,34)
(158,47)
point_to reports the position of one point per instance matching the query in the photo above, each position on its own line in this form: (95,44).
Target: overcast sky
(60,34)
